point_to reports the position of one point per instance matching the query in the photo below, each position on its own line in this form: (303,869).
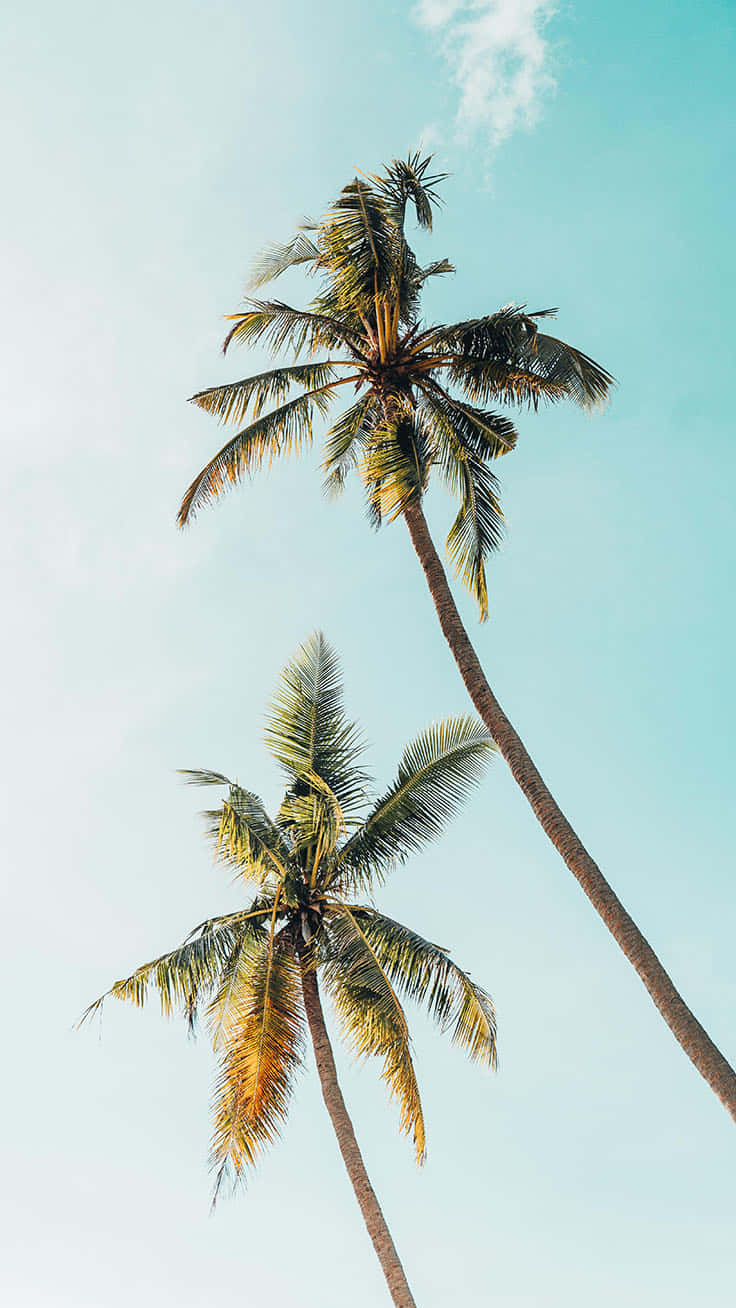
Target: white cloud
(499,58)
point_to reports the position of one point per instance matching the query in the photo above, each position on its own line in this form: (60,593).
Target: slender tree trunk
(351,1155)
(683,1024)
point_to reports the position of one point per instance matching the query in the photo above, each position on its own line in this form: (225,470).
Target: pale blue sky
(149,150)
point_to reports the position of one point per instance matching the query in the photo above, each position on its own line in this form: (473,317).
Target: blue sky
(150,151)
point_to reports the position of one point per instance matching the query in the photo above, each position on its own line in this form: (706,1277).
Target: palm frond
(464,438)
(285,430)
(308,731)
(241,969)
(440,268)
(246,839)
(409,180)
(346,439)
(425,973)
(395,464)
(360,247)
(260,1055)
(486,380)
(436,773)
(372,1019)
(189,973)
(279,326)
(488,435)
(229,403)
(511,338)
(276,258)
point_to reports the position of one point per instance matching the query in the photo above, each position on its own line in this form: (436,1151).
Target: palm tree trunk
(683,1024)
(351,1155)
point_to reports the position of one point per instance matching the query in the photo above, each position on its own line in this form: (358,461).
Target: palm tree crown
(309,867)
(421,389)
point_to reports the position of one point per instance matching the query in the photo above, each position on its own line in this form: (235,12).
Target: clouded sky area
(149,151)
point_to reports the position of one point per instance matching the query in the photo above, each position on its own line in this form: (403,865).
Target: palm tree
(256,973)
(419,389)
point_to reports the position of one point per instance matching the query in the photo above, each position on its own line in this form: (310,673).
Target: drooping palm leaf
(425,973)
(190,973)
(229,403)
(259,1059)
(373,1021)
(285,430)
(347,440)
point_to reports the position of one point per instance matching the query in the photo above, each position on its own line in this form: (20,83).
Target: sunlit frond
(190,973)
(360,247)
(493,380)
(424,972)
(278,326)
(409,180)
(285,430)
(436,773)
(373,1021)
(229,403)
(277,258)
(487,435)
(464,438)
(246,839)
(260,1056)
(347,439)
(395,464)
(309,732)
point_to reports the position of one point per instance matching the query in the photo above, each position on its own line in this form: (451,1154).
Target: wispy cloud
(499,59)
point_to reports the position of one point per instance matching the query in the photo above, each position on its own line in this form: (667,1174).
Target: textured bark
(683,1024)
(351,1155)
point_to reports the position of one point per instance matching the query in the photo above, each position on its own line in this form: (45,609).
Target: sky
(150,151)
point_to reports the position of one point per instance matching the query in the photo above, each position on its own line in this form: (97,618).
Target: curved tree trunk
(683,1024)
(351,1155)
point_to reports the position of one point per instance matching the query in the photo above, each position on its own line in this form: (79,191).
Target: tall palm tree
(257,973)
(419,388)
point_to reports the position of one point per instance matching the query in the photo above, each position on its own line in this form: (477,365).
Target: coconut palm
(423,393)
(256,974)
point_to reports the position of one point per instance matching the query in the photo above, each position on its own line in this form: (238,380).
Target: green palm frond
(279,326)
(426,974)
(285,430)
(584,381)
(347,439)
(440,268)
(409,180)
(395,464)
(308,731)
(229,403)
(493,380)
(372,1019)
(245,837)
(259,1059)
(277,258)
(464,438)
(190,973)
(512,339)
(360,248)
(488,435)
(313,815)
(477,529)
(436,773)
